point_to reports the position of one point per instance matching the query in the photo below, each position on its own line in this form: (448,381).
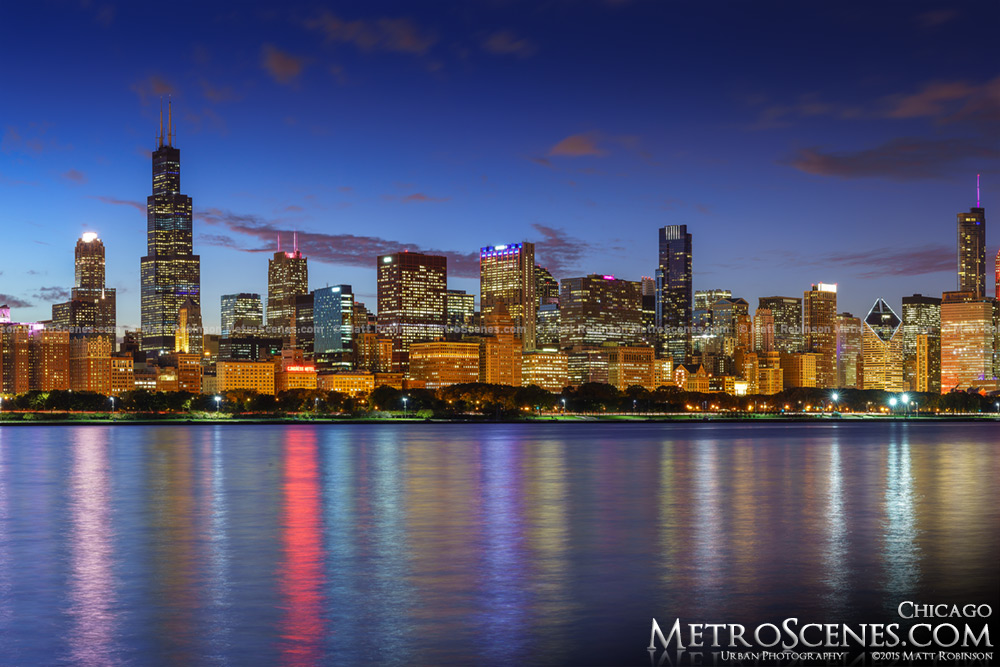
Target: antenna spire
(279,241)
(159,138)
(295,241)
(170,122)
(977,191)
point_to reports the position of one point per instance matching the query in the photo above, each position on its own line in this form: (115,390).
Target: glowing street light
(218,403)
(112,408)
(564,404)
(405,399)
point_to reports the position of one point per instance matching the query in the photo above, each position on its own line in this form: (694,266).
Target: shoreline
(567,419)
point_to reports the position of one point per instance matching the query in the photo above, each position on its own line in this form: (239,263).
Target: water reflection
(901,556)
(301,572)
(91,582)
(502,544)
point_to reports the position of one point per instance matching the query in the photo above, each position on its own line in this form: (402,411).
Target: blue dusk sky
(800,142)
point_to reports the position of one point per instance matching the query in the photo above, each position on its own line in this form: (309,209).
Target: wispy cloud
(52,294)
(283,67)
(153,87)
(416,197)
(400,35)
(901,159)
(139,206)
(876,262)
(14,302)
(219,94)
(577,145)
(31,140)
(339,249)
(75,176)
(557,250)
(504,42)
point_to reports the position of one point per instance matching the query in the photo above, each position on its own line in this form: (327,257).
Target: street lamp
(404,406)
(218,402)
(892,403)
(634,409)
(835,396)
(112,408)
(564,405)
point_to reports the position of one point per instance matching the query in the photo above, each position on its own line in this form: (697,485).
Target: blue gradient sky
(800,142)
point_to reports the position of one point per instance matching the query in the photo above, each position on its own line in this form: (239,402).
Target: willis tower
(171,273)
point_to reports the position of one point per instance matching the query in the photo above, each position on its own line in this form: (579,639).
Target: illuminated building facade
(705,298)
(972,252)
(461,310)
(350,383)
(663,372)
(443,363)
(411,295)
(500,351)
(548,370)
(674,290)
(122,374)
(49,351)
(968,342)
(882,350)
(333,326)
(188,336)
(798,369)
(587,364)
(292,370)
(819,318)
(547,327)
(922,316)
(170,271)
(598,309)
(849,334)
(787,314)
(253,375)
(692,377)
(629,366)
(927,363)
(91,308)
(303,331)
(763,330)
(90,364)
(287,278)
(507,278)
(546,287)
(242,314)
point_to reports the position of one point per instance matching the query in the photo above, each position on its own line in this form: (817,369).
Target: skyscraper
(333,326)
(996,292)
(598,309)
(882,349)
(507,277)
(820,323)
(921,315)
(787,313)
(972,251)
(242,314)
(849,349)
(91,308)
(170,271)
(546,287)
(673,290)
(287,278)
(411,296)
(968,342)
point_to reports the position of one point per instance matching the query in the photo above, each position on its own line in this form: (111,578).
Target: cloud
(283,67)
(339,249)
(53,294)
(951,102)
(219,93)
(557,251)
(543,161)
(139,206)
(577,145)
(932,100)
(32,140)
(504,42)
(398,35)
(883,262)
(153,87)
(901,159)
(75,176)
(416,197)
(14,302)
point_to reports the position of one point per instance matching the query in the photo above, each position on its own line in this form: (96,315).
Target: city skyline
(276,141)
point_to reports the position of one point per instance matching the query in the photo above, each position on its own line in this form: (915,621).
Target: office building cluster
(530,328)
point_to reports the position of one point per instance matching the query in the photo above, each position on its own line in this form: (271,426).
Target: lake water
(494,544)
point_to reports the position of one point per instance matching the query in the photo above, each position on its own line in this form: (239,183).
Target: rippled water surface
(499,544)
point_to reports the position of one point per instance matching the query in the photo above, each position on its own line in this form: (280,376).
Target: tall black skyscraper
(673,290)
(972,251)
(170,271)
